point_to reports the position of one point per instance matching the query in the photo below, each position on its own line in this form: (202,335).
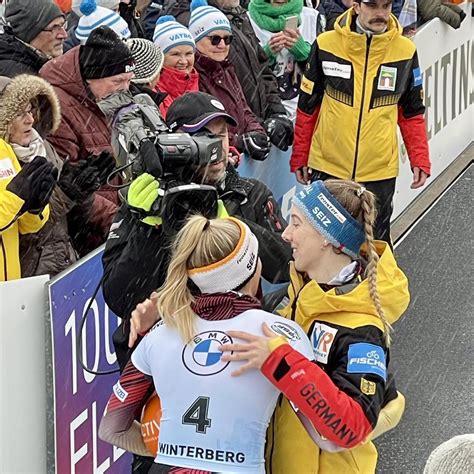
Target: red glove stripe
(332,412)
(304,129)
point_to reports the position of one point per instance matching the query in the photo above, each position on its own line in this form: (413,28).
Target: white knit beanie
(455,456)
(148,60)
(205,19)
(95,16)
(111,4)
(169,33)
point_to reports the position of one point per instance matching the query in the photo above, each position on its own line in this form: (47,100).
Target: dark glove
(462,15)
(280,130)
(79,180)
(104,164)
(34,184)
(255,144)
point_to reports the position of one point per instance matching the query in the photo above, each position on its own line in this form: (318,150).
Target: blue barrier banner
(78,397)
(275,173)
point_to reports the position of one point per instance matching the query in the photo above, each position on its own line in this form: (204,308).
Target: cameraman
(136,254)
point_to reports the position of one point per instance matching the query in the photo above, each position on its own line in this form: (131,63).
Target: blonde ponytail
(360,203)
(200,242)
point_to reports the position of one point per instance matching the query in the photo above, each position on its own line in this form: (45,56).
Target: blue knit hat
(205,19)
(169,34)
(330,218)
(95,16)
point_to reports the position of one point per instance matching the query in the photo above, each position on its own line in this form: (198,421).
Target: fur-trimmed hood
(17,93)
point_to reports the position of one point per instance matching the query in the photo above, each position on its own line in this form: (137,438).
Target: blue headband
(330,219)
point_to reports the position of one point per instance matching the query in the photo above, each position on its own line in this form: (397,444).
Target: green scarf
(272,18)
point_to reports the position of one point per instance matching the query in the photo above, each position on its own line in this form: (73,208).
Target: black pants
(384,191)
(142,464)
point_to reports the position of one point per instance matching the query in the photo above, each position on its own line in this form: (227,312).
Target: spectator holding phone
(286,29)
(212,34)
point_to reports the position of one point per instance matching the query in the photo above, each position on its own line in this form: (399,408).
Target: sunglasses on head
(216,39)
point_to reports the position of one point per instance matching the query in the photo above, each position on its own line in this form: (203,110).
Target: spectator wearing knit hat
(81,77)
(148,59)
(95,16)
(212,33)
(35,32)
(455,456)
(178,75)
(89,14)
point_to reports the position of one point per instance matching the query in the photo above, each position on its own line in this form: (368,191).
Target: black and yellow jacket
(11,223)
(344,390)
(355,90)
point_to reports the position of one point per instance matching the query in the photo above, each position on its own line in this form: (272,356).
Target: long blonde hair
(361,205)
(199,243)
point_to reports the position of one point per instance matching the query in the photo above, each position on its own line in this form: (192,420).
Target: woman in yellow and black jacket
(24,194)
(346,290)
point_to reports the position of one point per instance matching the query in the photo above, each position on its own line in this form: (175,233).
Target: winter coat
(136,255)
(332,9)
(250,61)
(218,78)
(339,322)
(362,88)
(447,12)
(17,57)
(84,131)
(12,225)
(50,250)
(176,83)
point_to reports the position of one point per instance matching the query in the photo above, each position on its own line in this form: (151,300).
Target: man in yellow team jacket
(360,81)
(24,193)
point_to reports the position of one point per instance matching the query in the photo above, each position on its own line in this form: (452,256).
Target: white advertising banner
(447,60)
(22,375)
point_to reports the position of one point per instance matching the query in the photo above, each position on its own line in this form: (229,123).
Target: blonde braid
(367,201)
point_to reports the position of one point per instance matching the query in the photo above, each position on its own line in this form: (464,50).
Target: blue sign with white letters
(365,358)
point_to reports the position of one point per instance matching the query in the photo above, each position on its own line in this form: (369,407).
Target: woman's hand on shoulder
(255,350)
(144,316)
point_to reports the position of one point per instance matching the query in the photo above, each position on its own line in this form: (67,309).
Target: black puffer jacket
(247,56)
(17,57)
(136,255)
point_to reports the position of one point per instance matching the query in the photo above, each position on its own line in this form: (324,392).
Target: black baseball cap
(194,110)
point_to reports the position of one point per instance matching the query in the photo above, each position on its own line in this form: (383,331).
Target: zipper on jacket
(295,301)
(359,125)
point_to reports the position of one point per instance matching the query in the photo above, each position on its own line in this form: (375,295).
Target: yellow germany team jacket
(340,323)
(353,93)
(12,225)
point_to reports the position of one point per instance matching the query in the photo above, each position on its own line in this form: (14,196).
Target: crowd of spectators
(255,75)
(250,56)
